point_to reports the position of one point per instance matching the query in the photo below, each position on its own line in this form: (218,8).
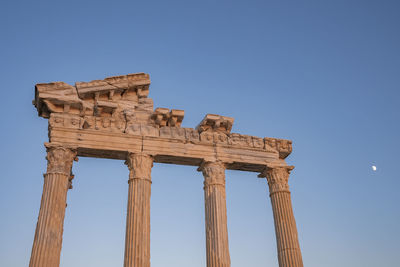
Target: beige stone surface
(217,245)
(137,238)
(114,118)
(289,254)
(49,229)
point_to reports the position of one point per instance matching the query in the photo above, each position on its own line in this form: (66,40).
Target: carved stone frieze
(105,124)
(192,135)
(120,105)
(207,137)
(142,129)
(241,140)
(65,120)
(220,138)
(149,130)
(117,97)
(283,146)
(258,142)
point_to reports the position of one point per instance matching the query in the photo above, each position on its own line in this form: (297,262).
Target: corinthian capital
(277,178)
(214,173)
(59,159)
(139,165)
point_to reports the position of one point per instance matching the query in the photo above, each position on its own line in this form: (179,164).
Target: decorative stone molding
(118,108)
(120,105)
(60,159)
(283,146)
(112,96)
(140,166)
(164,117)
(277,178)
(175,118)
(216,123)
(160,116)
(214,173)
(136,84)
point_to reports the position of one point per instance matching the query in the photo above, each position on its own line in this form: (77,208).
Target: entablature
(114,116)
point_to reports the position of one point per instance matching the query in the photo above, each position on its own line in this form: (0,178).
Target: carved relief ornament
(213,172)
(139,166)
(59,159)
(215,123)
(278,178)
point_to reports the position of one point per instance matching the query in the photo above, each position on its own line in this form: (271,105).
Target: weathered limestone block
(192,135)
(178,133)
(135,116)
(141,80)
(133,129)
(136,83)
(207,137)
(283,146)
(89,89)
(165,132)
(216,123)
(164,117)
(65,120)
(145,104)
(149,130)
(57,97)
(144,130)
(220,138)
(258,142)
(175,118)
(173,132)
(240,140)
(160,116)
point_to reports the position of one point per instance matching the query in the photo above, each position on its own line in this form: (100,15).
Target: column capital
(213,172)
(139,165)
(60,158)
(277,177)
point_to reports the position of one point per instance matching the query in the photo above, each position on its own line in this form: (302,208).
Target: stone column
(217,245)
(47,244)
(137,238)
(289,254)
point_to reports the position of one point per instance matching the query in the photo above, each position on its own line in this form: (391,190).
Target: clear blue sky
(324,74)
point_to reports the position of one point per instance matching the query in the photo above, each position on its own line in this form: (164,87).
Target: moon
(374,168)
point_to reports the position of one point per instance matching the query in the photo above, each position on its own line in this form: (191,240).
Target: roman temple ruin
(114,118)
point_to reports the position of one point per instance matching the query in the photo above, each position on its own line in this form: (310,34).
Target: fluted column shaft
(47,244)
(137,239)
(217,245)
(289,254)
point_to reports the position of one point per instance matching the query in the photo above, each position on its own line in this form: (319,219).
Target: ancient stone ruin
(114,118)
